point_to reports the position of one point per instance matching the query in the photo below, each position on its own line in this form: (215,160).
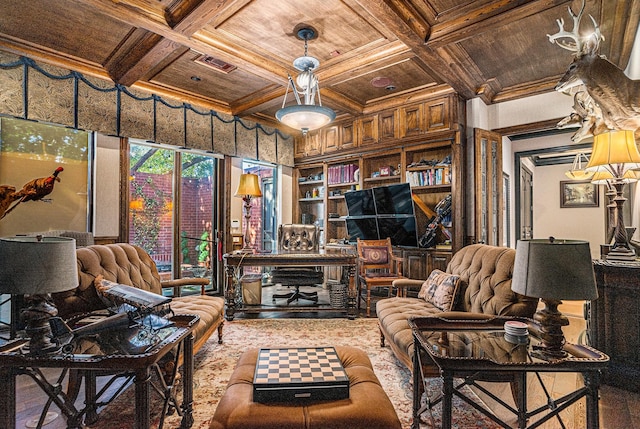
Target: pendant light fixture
(578,171)
(305,115)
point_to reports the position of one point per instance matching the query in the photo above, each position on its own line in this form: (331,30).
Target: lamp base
(36,319)
(621,254)
(552,339)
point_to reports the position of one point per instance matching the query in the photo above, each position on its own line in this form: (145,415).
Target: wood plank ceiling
(373,53)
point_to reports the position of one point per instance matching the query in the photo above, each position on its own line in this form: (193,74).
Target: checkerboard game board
(299,373)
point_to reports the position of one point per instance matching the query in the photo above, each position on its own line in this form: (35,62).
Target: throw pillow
(440,289)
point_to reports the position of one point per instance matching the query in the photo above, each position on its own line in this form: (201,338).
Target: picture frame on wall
(578,194)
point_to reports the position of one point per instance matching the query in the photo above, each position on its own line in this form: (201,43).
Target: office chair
(296,238)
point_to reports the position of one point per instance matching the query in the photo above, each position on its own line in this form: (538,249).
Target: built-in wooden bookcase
(342,176)
(380,169)
(311,192)
(429,169)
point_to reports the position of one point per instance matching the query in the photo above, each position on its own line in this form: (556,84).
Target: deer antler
(577,44)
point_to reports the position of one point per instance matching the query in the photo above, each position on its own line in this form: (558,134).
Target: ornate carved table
(469,350)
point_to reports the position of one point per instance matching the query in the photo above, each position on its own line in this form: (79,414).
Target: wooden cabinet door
(347,135)
(330,139)
(313,146)
(437,116)
(388,125)
(299,147)
(414,264)
(368,130)
(437,260)
(411,120)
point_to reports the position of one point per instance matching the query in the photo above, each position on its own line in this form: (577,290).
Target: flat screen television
(360,203)
(362,227)
(393,200)
(401,229)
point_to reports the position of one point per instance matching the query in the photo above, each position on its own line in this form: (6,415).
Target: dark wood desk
(14,363)
(471,349)
(235,261)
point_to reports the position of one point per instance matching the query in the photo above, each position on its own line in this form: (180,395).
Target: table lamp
(553,270)
(616,152)
(36,267)
(248,188)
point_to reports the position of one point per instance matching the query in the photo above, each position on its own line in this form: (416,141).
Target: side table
(472,349)
(13,363)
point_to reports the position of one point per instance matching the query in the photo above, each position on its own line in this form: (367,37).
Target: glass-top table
(478,350)
(235,262)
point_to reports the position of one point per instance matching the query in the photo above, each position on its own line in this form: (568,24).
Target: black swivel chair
(297,238)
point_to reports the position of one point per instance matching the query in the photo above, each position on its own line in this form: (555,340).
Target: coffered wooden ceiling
(373,53)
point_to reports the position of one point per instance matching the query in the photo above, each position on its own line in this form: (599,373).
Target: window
(172,210)
(31,150)
(263,224)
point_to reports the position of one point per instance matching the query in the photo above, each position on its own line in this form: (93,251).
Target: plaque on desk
(299,374)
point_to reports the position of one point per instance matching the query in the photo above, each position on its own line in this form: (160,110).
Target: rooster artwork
(34,190)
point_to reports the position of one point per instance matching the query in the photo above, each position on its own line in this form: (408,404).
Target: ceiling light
(577,171)
(305,115)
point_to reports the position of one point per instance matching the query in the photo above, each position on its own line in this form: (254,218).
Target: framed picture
(385,171)
(578,194)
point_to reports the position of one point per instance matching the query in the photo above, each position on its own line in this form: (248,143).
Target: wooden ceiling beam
(133,61)
(190,19)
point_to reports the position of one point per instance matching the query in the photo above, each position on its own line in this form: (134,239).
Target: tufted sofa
(484,291)
(131,265)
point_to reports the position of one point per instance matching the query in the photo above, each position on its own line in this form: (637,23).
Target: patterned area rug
(215,362)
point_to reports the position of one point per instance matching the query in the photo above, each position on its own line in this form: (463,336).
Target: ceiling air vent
(215,63)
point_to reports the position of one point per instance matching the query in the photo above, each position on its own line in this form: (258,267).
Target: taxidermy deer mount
(604,97)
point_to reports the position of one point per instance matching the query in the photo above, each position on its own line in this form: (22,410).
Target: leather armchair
(297,238)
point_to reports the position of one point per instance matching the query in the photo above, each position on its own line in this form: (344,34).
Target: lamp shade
(248,186)
(604,176)
(306,117)
(614,148)
(554,269)
(29,266)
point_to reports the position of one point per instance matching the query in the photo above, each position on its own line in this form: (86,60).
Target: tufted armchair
(131,265)
(484,291)
(297,238)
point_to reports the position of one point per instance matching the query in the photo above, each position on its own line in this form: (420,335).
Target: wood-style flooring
(618,408)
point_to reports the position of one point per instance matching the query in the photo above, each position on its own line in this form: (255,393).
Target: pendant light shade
(306,115)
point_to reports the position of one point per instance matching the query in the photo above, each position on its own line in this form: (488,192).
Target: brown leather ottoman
(368,405)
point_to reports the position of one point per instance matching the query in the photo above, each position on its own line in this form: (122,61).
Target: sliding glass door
(172,210)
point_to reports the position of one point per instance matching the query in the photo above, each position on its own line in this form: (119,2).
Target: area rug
(215,362)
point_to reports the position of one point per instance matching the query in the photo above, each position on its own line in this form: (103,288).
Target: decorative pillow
(440,289)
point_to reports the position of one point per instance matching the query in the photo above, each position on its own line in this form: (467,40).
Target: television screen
(401,230)
(362,227)
(360,203)
(393,199)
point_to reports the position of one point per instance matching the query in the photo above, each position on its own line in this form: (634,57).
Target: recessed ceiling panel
(401,77)
(269,27)
(531,56)
(189,75)
(73,28)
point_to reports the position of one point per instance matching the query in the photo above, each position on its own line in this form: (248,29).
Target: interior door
(488,187)
(526,200)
